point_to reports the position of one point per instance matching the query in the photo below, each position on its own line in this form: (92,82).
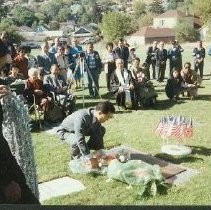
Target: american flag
(177,127)
(159,127)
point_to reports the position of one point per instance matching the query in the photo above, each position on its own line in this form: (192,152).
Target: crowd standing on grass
(122,65)
(59,69)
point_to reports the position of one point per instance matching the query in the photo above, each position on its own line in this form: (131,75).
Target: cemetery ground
(136,129)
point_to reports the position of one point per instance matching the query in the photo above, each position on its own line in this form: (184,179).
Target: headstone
(59,187)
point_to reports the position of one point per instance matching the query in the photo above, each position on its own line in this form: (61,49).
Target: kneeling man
(86,122)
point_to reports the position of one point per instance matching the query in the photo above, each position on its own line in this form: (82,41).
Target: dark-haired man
(86,122)
(122,52)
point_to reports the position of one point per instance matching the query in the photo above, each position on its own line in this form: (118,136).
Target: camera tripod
(84,68)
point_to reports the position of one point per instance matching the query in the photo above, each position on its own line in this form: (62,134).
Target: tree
(64,14)
(172,4)
(54,25)
(139,8)
(145,20)
(3,12)
(115,25)
(202,8)
(23,16)
(185,32)
(14,37)
(41,17)
(51,9)
(156,7)
(90,12)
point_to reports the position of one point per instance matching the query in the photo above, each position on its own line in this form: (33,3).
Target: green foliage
(23,16)
(202,8)
(64,14)
(54,25)
(145,20)
(156,7)
(7,21)
(139,8)
(41,17)
(3,11)
(185,32)
(90,12)
(51,10)
(115,25)
(14,37)
(172,4)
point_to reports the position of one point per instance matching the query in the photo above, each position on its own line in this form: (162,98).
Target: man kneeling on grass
(86,122)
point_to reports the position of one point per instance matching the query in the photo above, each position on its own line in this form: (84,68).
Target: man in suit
(151,59)
(86,122)
(46,59)
(199,55)
(122,52)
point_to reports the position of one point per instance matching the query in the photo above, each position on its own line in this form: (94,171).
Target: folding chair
(36,111)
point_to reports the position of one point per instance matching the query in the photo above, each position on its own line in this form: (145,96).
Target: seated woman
(35,90)
(56,84)
(14,75)
(122,85)
(174,85)
(144,89)
(15,80)
(190,80)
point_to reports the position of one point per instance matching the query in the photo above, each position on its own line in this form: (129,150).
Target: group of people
(44,77)
(181,77)
(47,78)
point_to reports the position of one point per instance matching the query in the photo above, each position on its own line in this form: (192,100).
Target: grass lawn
(136,129)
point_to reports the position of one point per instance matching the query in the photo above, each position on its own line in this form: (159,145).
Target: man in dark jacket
(122,52)
(86,122)
(13,187)
(151,59)
(199,55)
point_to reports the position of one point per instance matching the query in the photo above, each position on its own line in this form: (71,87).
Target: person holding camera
(199,55)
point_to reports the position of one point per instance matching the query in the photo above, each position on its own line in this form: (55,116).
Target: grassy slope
(136,129)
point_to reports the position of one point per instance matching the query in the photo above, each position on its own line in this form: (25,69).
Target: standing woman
(109,63)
